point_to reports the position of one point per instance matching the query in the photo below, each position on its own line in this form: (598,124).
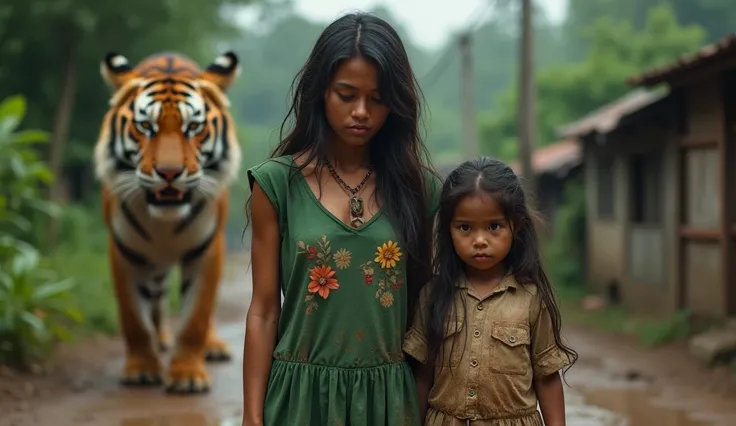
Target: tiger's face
(168,138)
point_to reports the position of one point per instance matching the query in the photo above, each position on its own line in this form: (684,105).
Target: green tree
(568,91)
(716,17)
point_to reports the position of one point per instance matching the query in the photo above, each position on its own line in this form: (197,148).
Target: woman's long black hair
(488,176)
(396,152)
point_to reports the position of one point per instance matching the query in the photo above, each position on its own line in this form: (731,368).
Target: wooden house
(660,173)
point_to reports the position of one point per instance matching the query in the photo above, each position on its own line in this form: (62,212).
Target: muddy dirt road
(613,384)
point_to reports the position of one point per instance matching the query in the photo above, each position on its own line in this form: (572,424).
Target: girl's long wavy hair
(397,152)
(490,177)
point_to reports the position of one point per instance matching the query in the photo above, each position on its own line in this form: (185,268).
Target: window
(605,192)
(645,173)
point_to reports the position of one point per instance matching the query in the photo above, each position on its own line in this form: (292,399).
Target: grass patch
(89,267)
(649,332)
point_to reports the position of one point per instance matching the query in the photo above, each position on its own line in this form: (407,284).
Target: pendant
(356,212)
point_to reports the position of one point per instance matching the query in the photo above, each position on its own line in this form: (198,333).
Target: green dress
(338,358)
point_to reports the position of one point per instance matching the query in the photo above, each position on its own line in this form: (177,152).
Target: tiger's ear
(223,70)
(116,70)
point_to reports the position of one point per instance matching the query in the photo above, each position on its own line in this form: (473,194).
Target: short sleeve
(415,340)
(547,356)
(273,177)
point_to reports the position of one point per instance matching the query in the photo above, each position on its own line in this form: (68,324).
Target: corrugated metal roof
(556,157)
(705,55)
(606,118)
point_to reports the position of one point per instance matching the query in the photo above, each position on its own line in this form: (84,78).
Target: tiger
(166,154)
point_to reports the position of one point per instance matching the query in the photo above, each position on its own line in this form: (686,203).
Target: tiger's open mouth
(168,196)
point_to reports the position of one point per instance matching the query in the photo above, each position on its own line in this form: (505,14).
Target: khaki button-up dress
(494,347)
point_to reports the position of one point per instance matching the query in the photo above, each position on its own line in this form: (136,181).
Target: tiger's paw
(141,370)
(187,375)
(216,350)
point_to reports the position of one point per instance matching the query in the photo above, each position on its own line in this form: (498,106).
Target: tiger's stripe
(166,155)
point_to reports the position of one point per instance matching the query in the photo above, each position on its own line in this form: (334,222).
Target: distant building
(661,187)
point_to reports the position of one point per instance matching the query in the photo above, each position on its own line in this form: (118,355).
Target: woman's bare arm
(265,306)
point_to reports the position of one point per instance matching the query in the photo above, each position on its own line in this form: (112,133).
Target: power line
(475,22)
(439,68)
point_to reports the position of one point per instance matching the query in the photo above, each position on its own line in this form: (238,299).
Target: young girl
(342,225)
(486,332)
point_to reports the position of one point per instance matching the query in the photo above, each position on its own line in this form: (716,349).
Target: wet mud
(614,383)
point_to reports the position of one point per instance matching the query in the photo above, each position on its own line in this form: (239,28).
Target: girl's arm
(547,361)
(424,378)
(415,345)
(265,307)
(551,399)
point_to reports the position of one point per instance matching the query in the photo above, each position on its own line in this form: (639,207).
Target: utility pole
(467,87)
(526,112)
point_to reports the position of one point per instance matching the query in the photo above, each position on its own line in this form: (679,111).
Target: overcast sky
(428,26)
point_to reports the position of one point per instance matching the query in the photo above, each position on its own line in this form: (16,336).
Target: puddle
(640,407)
(184,419)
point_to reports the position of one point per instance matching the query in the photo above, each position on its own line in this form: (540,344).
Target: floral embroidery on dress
(321,281)
(342,258)
(322,275)
(387,257)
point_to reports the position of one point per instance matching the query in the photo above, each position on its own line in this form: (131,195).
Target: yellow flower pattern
(387,256)
(342,259)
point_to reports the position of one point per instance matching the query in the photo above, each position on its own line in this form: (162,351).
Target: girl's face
(481,234)
(353,105)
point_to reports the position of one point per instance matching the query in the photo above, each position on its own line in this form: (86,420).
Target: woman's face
(353,104)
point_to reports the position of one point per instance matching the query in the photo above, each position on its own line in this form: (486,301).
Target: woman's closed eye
(346,98)
(350,98)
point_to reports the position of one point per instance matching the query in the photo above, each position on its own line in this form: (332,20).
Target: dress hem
(337,367)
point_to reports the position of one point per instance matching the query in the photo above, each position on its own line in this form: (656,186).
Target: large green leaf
(12,111)
(26,137)
(53,289)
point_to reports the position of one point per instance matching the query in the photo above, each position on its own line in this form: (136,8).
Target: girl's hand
(551,399)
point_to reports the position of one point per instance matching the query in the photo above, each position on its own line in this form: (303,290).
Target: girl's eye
(346,98)
(465,227)
(495,227)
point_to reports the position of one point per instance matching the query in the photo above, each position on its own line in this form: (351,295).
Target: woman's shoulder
(433,183)
(281,164)
(274,171)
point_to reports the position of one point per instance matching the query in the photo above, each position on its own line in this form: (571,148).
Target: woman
(342,225)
